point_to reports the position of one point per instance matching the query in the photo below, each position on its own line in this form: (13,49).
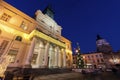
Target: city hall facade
(32,43)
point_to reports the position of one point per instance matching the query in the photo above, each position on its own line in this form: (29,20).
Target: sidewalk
(64,76)
(79,76)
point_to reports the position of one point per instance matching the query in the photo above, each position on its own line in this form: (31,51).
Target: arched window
(18,38)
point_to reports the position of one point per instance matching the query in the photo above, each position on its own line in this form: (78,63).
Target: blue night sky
(81,20)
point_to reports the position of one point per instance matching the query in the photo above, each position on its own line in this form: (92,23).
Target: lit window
(12,54)
(23,25)
(3,46)
(5,17)
(34,58)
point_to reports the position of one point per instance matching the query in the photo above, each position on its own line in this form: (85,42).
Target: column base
(27,66)
(56,67)
(64,67)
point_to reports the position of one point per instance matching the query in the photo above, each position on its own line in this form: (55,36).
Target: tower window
(18,38)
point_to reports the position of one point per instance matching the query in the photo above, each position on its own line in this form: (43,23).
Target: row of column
(47,55)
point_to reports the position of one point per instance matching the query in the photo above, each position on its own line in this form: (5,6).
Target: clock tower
(103,45)
(48,11)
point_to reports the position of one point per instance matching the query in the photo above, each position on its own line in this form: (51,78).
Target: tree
(80,61)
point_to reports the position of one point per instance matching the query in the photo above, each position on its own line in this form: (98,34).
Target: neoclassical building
(32,43)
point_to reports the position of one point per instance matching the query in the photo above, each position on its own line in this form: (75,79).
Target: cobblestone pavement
(79,76)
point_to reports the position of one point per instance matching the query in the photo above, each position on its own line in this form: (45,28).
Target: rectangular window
(88,57)
(100,55)
(102,60)
(96,55)
(3,46)
(34,58)
(12,54)
(5,17)
(24,25)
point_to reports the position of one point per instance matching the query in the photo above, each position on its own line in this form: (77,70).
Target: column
(59,59)
(50,57)
(30,53)
(56,57)
(64,58)
(46,55)
(53,57)
(41,55)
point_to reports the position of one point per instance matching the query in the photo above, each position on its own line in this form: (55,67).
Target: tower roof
(98,37)
(49,11)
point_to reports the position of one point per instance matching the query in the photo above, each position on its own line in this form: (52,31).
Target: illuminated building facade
(32,43)
(104,57)
(101,60)
(91,60)
(111,57)
(94,60)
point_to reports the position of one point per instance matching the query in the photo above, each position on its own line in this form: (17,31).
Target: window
(12,54)
(18,38)
(96,55)
(57,31)
(3,46)
(93,61)
(34,58)
(92,56)
(89,57)
(102,60)
(101,55)
(5,17)
(98,60)
(42,21)
(23,25)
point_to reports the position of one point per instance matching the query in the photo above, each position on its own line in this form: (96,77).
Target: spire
(49,11)
(98,37)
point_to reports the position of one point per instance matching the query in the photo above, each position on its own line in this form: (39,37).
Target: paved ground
(79,76)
